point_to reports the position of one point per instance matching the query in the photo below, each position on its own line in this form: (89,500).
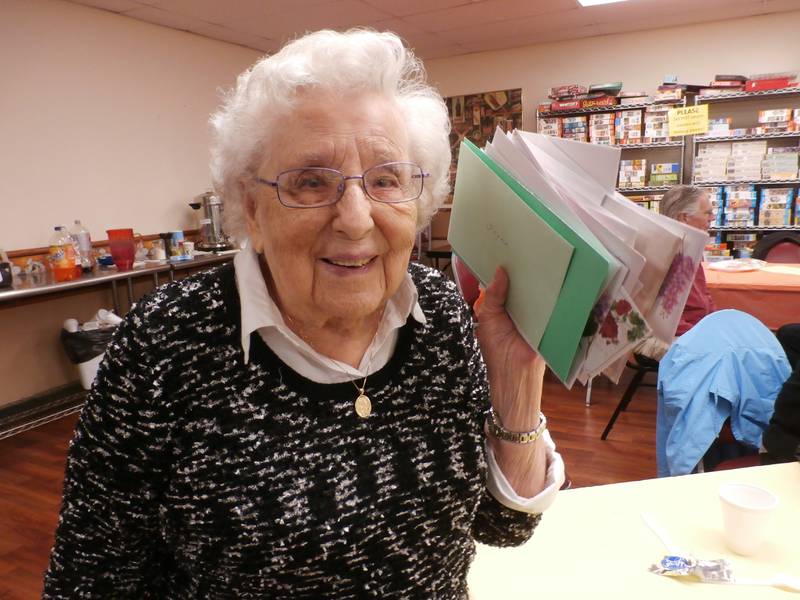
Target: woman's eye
(309,182)
(385,181)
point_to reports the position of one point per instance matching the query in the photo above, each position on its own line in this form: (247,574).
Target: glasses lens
(309,187)
(394,182)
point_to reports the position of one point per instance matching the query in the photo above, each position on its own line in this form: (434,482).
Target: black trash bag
(82,346)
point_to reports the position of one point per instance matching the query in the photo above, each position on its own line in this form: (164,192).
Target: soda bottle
(63,255)
(80,235)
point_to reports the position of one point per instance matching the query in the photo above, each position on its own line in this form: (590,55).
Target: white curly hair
(358,59)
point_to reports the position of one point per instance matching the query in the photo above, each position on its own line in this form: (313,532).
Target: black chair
(781,247)
(642,365)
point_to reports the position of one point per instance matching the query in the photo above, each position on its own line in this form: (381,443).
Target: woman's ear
(251,217)
(682,217)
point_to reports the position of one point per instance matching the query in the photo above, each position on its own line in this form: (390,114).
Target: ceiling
(434,28)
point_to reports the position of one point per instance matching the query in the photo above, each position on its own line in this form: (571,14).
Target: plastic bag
(82,346)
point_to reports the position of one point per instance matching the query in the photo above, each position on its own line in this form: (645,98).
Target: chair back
(728,366)
(778,248)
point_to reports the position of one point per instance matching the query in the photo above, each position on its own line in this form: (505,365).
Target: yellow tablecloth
(593,544)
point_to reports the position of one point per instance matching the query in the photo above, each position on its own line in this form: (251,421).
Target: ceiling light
(596,2)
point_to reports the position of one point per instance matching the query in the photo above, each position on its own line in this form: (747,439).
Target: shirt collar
(259,309)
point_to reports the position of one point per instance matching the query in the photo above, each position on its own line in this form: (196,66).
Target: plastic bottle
(81,237)
(63,256)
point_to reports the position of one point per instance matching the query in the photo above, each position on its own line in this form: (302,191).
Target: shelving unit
(710,139)
(743,108)
(672,151)
(754,228)
(653,189)
(763,182)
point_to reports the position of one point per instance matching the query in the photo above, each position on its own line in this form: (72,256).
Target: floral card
(617,326)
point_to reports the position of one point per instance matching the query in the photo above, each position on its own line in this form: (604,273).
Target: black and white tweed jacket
(194,475)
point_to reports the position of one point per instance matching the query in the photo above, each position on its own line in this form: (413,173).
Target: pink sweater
(698,304)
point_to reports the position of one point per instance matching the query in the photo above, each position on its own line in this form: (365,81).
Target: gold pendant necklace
(362,405)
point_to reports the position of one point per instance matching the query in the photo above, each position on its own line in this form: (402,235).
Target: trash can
(86,347)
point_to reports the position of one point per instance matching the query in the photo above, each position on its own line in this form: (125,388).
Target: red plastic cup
(123,248)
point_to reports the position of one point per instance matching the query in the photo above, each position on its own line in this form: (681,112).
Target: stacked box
(740,205)
(575,128)
(775,208)
(780,120)
(715,196)
(651,202)
(711,162)
(664,173)
(745,161)
(656,124)
(780,165)
(720,127)
(632,173)
(742,244)
(601,128)
(628,127)
(716,250)
(549,126)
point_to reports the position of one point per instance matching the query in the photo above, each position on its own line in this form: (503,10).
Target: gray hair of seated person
(356,60)
(681,199)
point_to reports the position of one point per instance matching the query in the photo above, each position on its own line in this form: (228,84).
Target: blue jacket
(728,365)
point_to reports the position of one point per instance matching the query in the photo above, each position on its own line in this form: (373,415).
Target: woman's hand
(515,373)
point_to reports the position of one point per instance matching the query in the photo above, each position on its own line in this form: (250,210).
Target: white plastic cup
(746,511)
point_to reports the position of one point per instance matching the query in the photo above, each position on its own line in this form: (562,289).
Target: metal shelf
(603,109)
(751,182)
(649,145)
(658,188)
(756,228)
(706,139)
(739,95)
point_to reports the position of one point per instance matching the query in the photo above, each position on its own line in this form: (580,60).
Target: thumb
(496,292)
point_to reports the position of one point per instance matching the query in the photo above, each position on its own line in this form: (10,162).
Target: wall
(103,118)
(695,53)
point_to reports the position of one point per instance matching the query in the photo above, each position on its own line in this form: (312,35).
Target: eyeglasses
(312,187)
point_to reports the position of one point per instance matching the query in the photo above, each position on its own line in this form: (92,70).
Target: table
(27,287)
(592,543)
(771,294)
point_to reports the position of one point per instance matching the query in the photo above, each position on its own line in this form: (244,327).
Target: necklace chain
(362,404)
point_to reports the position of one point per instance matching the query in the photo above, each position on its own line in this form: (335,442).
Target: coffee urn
(212,237)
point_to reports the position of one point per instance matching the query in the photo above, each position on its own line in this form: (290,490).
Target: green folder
(492,226)
(582,284)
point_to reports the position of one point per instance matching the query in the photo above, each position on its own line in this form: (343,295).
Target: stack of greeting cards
(591,272)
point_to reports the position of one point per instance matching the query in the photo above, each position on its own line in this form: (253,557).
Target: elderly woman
(692,206)
(317,420)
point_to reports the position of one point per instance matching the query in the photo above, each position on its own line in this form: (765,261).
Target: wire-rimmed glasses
(312,187)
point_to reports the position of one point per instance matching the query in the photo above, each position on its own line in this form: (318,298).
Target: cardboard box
(564,105)
(762,85)
(602,101)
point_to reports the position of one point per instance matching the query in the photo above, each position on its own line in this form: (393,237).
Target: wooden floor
(32,463)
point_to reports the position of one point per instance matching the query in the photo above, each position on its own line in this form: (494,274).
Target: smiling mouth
(350,264)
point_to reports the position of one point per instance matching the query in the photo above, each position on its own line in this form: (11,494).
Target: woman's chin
(351,307)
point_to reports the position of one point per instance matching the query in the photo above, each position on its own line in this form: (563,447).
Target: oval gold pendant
(363,406)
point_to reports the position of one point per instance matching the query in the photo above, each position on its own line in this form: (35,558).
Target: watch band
(516,437)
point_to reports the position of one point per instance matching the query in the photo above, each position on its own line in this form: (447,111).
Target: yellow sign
(689,120)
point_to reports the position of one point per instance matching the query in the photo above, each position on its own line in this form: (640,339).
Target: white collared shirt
(260,313)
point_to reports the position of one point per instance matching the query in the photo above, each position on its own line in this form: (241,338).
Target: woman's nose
(354,210)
